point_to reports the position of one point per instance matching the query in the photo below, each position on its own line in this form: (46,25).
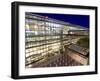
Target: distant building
(78,32)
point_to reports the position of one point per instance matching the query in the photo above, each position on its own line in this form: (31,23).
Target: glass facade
(43,37)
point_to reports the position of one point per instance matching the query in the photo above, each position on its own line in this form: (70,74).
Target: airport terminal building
(51,43)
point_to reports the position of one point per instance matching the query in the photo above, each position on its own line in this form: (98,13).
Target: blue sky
(82,20)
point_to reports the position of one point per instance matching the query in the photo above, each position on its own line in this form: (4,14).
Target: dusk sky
(82,20)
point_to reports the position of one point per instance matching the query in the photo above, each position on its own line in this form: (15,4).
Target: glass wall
(42,37)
